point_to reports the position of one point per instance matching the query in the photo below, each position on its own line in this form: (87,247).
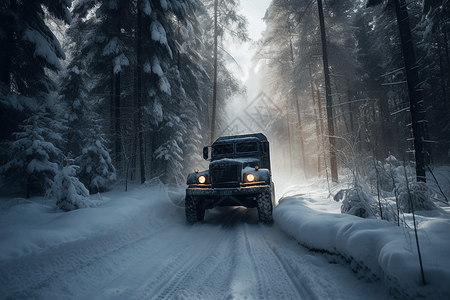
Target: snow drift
(376,249)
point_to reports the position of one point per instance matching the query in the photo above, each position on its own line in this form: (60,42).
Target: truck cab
(239,174)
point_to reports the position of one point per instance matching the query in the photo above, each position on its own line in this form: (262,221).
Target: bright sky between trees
(254,11)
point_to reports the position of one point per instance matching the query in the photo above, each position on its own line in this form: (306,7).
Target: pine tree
(34,155)
(75,97)
(434,28)
(28,48)
(145,43)
(96,170)
(165,93)
(158,50)
(108,53)
(84,139)
(197,86)
(69,192)
(28,44)
(413,82)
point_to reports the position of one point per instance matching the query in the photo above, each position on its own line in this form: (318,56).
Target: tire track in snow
(310,280)
(242,279)
(191,272)
(55,267)
(274,282)
(255,264)
(292,271)
(232,261)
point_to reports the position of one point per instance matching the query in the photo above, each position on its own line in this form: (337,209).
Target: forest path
(230,255)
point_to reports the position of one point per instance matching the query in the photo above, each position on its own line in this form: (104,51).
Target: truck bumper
(218,192)
(237,196)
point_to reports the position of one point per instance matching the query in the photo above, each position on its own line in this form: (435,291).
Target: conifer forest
(102,93)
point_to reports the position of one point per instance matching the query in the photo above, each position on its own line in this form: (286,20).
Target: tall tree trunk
(289,140)
(322,128)
(316,117)
(326,72)
(350,112)
(319,106)
(134,147)
(441,68)
(112,104)
(117,132)
(447,56)
(117,108)
(412,77)
(213,117)
(298,117)
(5,59)
(447,53)
(139,96)
(300,130)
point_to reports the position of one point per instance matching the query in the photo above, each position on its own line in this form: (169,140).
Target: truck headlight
(202,179)
(250,177)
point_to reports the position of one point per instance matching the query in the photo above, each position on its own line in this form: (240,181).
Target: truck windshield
(223,149)
(246,147)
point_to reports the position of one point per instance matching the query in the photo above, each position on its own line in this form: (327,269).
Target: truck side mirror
(206,153)
(265,147)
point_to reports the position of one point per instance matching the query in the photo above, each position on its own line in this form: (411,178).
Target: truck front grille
(221,173)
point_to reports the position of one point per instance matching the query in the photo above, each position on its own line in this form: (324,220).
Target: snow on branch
(114,46)
(42,48)
(120,61)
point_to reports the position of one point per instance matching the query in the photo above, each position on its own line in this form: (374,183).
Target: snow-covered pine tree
(171,154)
(163,93)
(185,128)
(197,86)
(84,139)
(181,119)
(167,105)
(171,131)
(79,108)
(34,155)
(28,47)
(74,96)
(69,192)
(96,169)
(108,53)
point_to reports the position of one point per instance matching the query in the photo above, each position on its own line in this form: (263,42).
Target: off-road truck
(238,175)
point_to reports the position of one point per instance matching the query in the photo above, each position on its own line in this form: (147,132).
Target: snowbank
(32,226)
(376,249)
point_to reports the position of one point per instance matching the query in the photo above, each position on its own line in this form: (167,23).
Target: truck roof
(259,136)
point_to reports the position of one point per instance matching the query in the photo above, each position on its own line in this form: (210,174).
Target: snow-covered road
(134,249)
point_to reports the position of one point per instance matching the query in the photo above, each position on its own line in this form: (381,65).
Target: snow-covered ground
(375,249)
(137,245)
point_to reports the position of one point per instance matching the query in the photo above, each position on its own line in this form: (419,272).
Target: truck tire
(272,191)
(193,209)
(264,202)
